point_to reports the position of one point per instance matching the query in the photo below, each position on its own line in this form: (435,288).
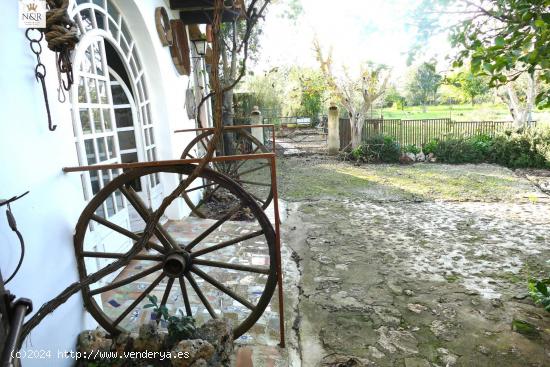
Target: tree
(470,84)
(423,84)
(393,98)
(502,39)
(234,51)
(357,95)
(312,90)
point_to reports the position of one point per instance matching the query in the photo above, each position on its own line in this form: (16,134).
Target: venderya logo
(32,14)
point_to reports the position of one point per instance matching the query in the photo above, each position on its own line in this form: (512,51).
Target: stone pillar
(333,130)
(256,119)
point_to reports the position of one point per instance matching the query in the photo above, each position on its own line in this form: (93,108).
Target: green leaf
(500,42)
(149,305)
(539,23)
(541,287)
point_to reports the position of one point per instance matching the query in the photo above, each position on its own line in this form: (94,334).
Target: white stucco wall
(31,158)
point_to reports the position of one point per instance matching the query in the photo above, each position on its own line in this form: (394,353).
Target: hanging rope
(62,37)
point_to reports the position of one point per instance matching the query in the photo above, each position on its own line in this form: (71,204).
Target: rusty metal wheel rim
(193,265)
(202,139)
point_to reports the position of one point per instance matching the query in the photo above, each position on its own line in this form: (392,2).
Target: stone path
(394,274)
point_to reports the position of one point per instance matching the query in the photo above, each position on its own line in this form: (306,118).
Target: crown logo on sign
(32,7)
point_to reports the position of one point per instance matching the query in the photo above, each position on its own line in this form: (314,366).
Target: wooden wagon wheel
(195,267)
(253,175)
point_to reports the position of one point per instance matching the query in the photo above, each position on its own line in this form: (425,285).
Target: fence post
(333,130)
(256,119)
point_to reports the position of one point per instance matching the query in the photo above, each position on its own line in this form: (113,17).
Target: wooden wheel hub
(175,265)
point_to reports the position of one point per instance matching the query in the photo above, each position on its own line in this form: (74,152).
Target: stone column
(256,119)
(333,130)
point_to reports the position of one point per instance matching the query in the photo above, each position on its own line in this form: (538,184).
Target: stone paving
(393,278)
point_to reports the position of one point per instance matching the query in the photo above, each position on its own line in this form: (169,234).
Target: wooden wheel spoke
(201,295)
(125,281)
(185,297)
(222,288)
(237,166)
(125,232)
(200,187)
(164,237)
(190,156)
(218,264)
(165,296)
(207,197)
(264,165)
(226,243)
(139,299)
(115,255)
(213,227)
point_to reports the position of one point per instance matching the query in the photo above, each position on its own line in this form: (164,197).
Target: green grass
(465,112)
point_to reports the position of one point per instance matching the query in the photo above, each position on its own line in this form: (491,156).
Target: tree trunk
(227,119)
(357,124)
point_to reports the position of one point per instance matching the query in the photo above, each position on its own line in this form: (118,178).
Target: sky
(357,30)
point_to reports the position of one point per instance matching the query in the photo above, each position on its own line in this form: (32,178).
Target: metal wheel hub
(176,264)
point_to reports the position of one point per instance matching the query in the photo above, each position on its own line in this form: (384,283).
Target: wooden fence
(419,132)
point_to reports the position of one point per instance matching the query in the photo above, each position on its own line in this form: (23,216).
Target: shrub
(526,149)
(430,146)
(459,151)
(377,149)
(411,148)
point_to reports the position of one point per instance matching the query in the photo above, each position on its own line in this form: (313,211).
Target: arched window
(111,109)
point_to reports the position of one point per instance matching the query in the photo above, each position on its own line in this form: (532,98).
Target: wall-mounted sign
(180,47)
(162,22)
(32,14)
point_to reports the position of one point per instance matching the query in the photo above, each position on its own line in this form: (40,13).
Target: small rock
(405,159)
(375,353)
(149,339)
(408,292)
(192,351)
(420,157)
(497,303)
(483,350)
(91,341)
(218,332)
(448,359)
(416,308)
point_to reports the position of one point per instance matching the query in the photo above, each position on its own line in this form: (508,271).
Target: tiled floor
(248,285)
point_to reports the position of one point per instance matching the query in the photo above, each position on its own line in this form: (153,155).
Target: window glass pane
(102,91)
(148,109)
(94,179)
(126,140)
(119,97)
(119,200)
(86,19)
(101,150)
(136,58)
(98,59)
(82,91)
(100,3)
(123,117)
(113,29)
(152,136)
(110,206)
(144,116)
(112,10)
(85,121)
(133,65)
(125,31)
(144,86)
(97,120)
(107,119)
(99,18)
(157,179)
(94,98)
(100,212)
(86,65)
(124,45)
(90,151)
(129,157)
(111,146)
(147,140)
